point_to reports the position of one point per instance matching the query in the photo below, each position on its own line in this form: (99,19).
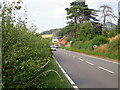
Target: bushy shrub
(24,55)
(82,45)
(77,44)
(114,45)
(85,31)
(112,33)
(98,40)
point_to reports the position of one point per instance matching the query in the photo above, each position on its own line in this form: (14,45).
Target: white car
(53,48)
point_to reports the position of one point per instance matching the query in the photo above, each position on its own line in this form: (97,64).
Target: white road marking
(106,70)
(63,70)
(69,79)
(75,87)
(81,59)
(89,63)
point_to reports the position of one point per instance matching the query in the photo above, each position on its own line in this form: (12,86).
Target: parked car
(56,46)
(53,48)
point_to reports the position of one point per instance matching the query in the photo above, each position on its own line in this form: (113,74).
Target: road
(88,71)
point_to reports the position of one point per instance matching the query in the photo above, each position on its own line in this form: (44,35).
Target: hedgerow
(98,40)
(24,54)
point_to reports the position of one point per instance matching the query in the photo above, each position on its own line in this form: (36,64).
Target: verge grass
(52,79)
(89,52)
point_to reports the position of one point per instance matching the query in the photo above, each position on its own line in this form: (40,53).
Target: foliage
(98,40)
(79,12)
(69,38)
(82,45)
(112,33)
(114,46)
(85,32)
(25,56)
(118,26)
(67,30)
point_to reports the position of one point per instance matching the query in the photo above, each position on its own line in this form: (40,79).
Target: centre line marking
(106,70)
(89,63)
(80,59)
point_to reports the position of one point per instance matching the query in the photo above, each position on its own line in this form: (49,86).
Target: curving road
(88,71)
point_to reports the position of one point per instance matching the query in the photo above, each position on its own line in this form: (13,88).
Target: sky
(51,14)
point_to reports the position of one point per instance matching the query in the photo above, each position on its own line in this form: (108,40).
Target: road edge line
(66,75)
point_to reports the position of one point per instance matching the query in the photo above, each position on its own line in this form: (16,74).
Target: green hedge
(114,46)
(23,54)
(82,45)
(98,40)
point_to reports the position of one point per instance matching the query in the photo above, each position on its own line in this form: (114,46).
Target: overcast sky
(51,14)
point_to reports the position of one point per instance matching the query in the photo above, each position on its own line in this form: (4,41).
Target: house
(55,40)
(63,41)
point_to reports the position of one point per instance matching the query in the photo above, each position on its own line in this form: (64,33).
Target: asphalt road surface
(88,71)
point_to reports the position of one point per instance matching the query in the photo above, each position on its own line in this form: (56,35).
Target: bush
(98,40)
(77,44)
(82,45)
(85,31)
(114,45)
(112,33)
(24,55)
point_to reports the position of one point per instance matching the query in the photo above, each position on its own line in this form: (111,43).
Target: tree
(85,32)
(79,13)
(107,14)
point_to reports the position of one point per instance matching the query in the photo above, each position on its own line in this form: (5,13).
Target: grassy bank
(89,52)
(53,79)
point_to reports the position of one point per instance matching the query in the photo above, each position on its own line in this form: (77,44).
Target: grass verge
(114,57)
(53,80)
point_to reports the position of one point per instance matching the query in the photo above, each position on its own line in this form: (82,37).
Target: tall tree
(118,26)
(107,14)
(79,13)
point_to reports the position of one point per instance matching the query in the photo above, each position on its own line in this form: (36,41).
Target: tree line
(83,23)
